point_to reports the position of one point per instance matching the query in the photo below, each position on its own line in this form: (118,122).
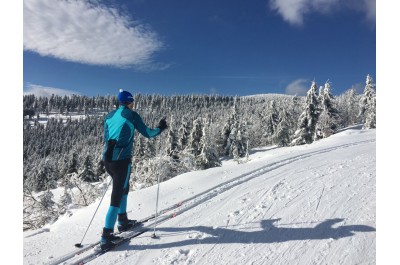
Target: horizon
(58,92)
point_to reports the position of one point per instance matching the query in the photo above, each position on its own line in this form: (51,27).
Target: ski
(98,252)
(80,251)
(88,247)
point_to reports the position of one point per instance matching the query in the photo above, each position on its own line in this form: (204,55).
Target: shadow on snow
(269,234)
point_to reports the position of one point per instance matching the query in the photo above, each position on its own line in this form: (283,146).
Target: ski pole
(158,192)
(79,245)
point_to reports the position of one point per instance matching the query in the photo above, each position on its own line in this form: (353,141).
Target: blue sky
(228,47)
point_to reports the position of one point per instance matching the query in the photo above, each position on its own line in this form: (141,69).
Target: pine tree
(195,137)
(283,132)
(172,144)
(139,148)
(226,137)
(329,119)
(71,165)
(370,121)
(149,148)
(223,142)
(42,177)
(234,136)
(368,105)
(87,173)
(271,120)
(348,107)
(208,156)
(64,202)
(184,134)
(308,119)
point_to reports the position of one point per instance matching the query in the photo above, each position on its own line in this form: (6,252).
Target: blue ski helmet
(124,97)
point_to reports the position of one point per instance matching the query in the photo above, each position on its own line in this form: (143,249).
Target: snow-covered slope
(310,204)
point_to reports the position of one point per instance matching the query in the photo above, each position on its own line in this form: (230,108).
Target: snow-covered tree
(238,139)
(370,120)
(184,133)
(208,156)
(329,119)
(172,144)
(71,164)
(223,141)
(368,104)
(42,177)
(283,129)
(139,150)
(38,210)
(87,173)
(348,107)
(270,121)
(86,192)
(233,138)
(65,201)
(308,119)
(196,134)
(149,150)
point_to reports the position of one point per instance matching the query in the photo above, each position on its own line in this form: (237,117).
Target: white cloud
(294,11)
(298,87)
(369,8)
(80,31)
(42,91)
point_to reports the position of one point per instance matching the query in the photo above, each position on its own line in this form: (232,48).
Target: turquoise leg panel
(111,217)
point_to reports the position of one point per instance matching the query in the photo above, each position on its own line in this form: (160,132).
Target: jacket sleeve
(143,129)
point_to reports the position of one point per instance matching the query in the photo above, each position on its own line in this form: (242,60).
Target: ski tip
(79,245)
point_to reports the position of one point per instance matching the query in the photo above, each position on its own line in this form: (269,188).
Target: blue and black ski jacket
(119,132)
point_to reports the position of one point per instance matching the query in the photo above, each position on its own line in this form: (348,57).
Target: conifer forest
(63,138)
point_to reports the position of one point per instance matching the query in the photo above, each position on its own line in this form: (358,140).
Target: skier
(119,127)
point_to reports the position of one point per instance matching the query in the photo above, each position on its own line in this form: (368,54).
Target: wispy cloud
(42,91)
(87,32)
(298,87)
(294,11)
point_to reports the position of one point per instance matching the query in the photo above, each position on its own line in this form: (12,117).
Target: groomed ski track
(293,206)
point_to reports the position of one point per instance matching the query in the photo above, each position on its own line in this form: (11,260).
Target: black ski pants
(119,171)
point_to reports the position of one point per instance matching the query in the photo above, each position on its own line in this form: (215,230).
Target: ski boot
(107,239)
(124,224)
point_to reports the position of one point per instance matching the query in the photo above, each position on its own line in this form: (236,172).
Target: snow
(309,204)
(44,118)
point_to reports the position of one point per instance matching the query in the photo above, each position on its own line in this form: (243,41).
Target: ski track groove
(321,251)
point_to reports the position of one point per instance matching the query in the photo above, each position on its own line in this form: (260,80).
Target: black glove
(162,125)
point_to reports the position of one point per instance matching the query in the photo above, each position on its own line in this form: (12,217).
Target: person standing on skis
(119,128)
